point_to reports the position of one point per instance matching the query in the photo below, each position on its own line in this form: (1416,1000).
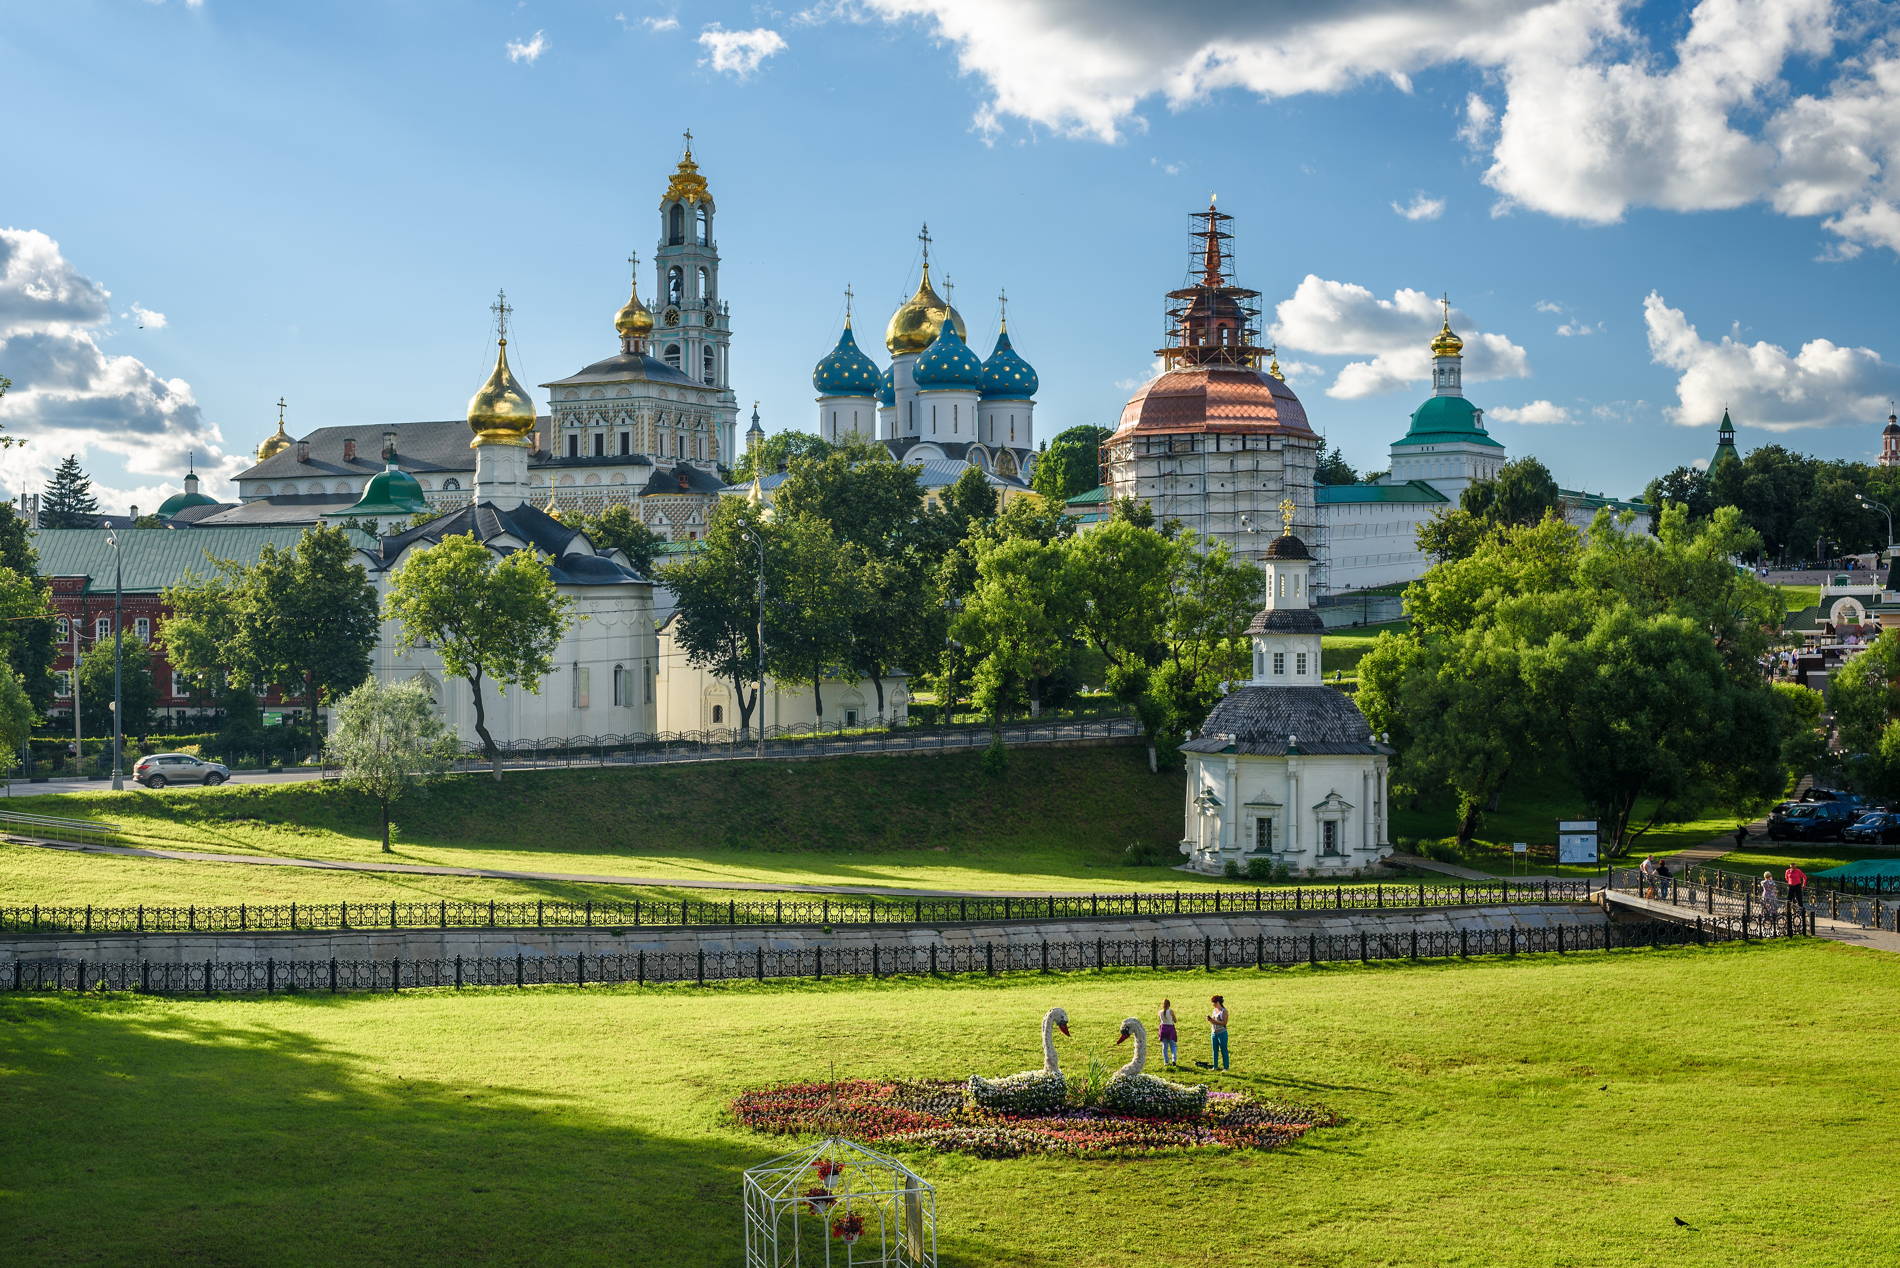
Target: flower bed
(934,1114)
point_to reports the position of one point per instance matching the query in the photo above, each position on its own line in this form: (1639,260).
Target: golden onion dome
(634,321)
(1446,344)
(501,413)
(916,325)
(275,443)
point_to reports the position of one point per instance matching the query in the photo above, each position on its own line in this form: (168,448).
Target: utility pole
(118,661)
(759,534)
(79,744)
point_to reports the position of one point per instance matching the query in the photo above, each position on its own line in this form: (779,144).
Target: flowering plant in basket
(828,1171)
(847,1228)
(819,1200)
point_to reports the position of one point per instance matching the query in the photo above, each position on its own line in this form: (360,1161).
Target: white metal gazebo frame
(898,1208)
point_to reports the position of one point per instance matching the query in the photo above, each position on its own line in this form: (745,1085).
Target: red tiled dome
(1215,398)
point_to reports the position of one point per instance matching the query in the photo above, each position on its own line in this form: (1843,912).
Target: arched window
(676,226)
(620,686)
(600,444)
(706,364)
(705,226)
(675,283)
(672,355)
(451,485)
(719,714)
(705,284)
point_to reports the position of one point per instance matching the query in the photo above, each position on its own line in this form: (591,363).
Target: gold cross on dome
(923,236)
(280,411)
(849,295)
(1286,516)
(688,134)
(1444,302)
(501,308)
(633,265)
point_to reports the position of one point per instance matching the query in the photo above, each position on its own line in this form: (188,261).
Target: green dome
(179,501)
(390,491)
(1445,420)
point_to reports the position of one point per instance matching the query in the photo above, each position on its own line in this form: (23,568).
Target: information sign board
(1577,841)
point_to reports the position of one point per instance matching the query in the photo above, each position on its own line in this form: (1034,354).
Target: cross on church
(1286,516)
(633,264)
(501,308)
(688,134)
(923,236)
(1444,302)
(280,411)
(949,288)
(1002,306)
(848,295)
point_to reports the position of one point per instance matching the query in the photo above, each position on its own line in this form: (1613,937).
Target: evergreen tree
(68,501)
(1332,467)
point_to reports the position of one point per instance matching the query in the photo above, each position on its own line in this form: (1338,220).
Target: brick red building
(79,564)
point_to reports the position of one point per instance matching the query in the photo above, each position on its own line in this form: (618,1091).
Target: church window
(676,226)
(933,420)
(705,226)
(706,364)
(573,446)
(620,685)
(1279,662)
(102,628)
(1299,663)
(673,355)
(1282,588)
(649,678)
(719,714)
(1012,428)
(675,284)
(956,416)
(1329,836)
(626,443)
(705,284)
(600,445)
(581,676)
(1262,834)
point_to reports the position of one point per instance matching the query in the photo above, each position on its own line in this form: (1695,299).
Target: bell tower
(693,331)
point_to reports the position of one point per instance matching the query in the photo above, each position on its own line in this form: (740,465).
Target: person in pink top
(1797,881)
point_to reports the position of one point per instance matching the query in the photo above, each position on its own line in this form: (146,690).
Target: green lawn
(1809,856)
(1059,820)
(1537,1112)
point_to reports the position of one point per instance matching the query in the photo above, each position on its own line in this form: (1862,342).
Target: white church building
(1285,769)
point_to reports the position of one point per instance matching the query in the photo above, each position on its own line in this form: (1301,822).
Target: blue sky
(1641,212)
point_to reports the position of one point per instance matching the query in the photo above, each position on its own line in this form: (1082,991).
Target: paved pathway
(1832,930)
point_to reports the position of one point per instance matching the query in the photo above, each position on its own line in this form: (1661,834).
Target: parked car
(1878,828)
(1812,821)
(1829,794)
(160,769)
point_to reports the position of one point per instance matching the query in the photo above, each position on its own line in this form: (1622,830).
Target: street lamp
(1869,502)
(118,657)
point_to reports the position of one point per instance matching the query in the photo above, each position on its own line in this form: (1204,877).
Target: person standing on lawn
(1170,1037)
(1797,881)
(1218,1020)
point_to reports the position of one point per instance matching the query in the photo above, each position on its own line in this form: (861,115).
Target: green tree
(489,618)
(1018,620)
(389,739)
(1332,467)
(138,690)
(970,499)
(28,644)
(1684,485)
(68,501)
(1522,492)
(716,591)
(776,452)
(620,528)
(1451,533)
(1070,464)
(307,617)
(813,585)
(17,714)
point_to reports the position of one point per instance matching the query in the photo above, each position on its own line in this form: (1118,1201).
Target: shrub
(1260,869)
(1231,870)
(1146,854)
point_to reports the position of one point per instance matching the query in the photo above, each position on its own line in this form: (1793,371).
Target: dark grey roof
(197,514)
(525,523)
(425,446)
(1287,546)
(1258,720)
(683,478)
(629,365)
(1286,621)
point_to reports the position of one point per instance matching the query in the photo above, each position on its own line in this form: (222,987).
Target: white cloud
(1766,386)
(529,50)
(1422,207)
(1549,306)
(1393,335)
(1293,370)
(1539,411)
(144,317)
(656,25)
(739,52)
(71,395)
(1588,115)
(1572,328)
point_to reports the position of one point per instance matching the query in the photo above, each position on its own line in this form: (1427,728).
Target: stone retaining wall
(414,944)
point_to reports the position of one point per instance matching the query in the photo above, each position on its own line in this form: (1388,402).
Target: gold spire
(1447,344)
(634,321)
(1273,365)
(277,441)
(687,184)
(501,412)
(918,321)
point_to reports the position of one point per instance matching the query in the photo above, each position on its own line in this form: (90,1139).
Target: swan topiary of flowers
(1032,1091)
(1130,1091)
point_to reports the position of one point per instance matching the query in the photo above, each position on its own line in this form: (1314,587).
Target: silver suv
(160,769)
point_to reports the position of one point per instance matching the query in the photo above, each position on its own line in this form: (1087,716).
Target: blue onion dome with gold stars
(948,364)
(887,387)
(846,371)
(1006,376)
